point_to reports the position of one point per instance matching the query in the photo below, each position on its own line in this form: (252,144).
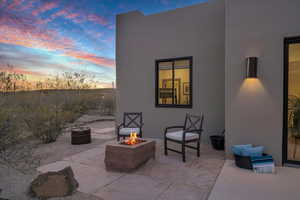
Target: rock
(0,197)
(54,184)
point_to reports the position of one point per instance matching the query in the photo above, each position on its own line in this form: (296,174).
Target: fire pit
(129,154)
(133,140)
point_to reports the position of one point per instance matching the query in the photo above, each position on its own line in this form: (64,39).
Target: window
(174,82)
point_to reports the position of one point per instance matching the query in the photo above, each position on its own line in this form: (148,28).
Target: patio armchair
(132,122)
(188,133)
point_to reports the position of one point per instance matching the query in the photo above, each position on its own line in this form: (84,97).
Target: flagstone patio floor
(165,178)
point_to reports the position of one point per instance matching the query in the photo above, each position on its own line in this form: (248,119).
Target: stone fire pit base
(127,158)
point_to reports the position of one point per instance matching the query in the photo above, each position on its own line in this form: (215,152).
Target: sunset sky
(42,38)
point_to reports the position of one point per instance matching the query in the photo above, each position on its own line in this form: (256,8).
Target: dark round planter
(217,142)
(244,161)
(81,135)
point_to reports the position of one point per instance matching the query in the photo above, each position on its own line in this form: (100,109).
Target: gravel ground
(14,183)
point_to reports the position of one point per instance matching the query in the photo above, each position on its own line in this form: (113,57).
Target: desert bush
(108,105)
(46,122)
(8,128)
(82,102)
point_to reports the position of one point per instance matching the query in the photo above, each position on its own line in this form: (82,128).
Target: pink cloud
(45,7)
(51,41)
(97,19)
(48,40)
(14,4)
(98,60)
(67,14)
(28,5)
(72,15)
(31,32)
(80,17)
(59,13)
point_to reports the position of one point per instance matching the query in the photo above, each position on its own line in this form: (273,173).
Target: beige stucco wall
(196,31)
(254,108)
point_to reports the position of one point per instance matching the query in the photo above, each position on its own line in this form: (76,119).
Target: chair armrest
(173,127)
(199,131)
(120,125)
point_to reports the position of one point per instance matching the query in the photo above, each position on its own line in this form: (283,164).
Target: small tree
(9,80)
(45,122)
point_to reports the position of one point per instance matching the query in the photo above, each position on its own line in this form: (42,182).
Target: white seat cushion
(178,135)
(127,131)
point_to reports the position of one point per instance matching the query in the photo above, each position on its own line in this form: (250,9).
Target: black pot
(244,161)
(217,142)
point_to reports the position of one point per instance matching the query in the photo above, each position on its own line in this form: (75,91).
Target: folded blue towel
(263,164)
(237,149)
(261,158)
(253,151)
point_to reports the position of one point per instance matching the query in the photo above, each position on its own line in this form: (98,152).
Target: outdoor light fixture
(251,67)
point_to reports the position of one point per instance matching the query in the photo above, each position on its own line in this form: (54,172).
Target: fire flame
(133,139)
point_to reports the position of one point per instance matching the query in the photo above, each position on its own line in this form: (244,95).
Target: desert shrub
(8,128)
(46,122)
(73,105)
(80,103)
(108,105)
(44,113)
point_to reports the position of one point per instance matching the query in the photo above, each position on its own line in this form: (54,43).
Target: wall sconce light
(251,67)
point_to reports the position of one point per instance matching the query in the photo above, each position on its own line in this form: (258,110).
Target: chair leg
(198,148)
(183,152)
(166,147)
(118,138)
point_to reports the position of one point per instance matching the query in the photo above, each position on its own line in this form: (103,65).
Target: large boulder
(54,184)
(0,197)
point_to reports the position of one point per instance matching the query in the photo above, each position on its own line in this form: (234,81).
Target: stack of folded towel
(261,163)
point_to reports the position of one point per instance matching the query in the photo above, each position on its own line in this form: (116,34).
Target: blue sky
(42,38)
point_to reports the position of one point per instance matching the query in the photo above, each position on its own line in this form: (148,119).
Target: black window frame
(157,104)
(287,42)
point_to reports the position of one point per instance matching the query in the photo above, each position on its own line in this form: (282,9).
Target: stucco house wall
(196,31)
(254,108)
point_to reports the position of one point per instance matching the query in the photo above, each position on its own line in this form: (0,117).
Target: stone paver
(102,130)
(134,187)
(186,192)
(84,119)
(164,178)
(103,133)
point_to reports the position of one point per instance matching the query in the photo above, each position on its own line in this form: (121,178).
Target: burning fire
(133,139)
